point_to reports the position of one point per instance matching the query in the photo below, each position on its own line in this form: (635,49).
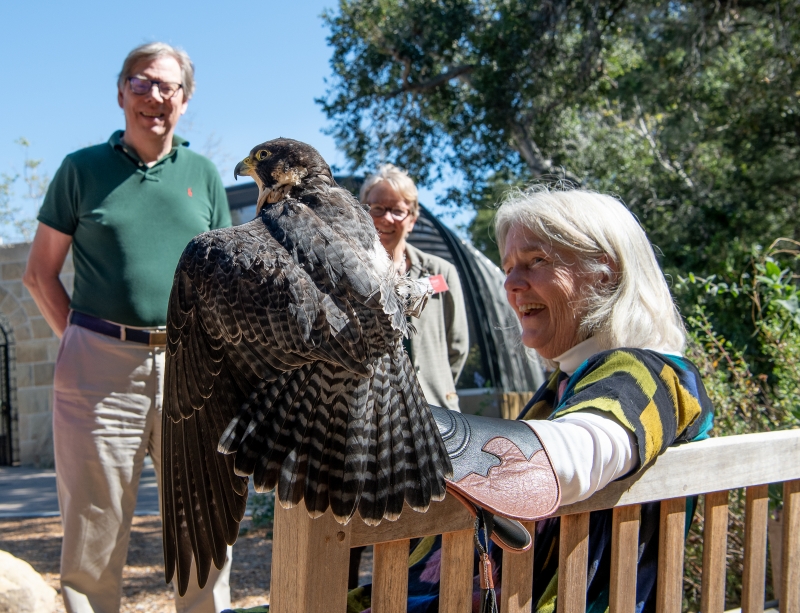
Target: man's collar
(178,141)
(116,142)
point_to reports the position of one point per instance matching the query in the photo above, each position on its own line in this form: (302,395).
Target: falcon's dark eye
(263,155)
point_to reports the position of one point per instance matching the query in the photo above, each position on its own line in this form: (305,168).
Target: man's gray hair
(149,52)
(400,182)
(633,307)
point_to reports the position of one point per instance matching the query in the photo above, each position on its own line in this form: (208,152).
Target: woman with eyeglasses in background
(439,348)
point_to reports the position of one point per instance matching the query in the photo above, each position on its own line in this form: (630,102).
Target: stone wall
(33,349)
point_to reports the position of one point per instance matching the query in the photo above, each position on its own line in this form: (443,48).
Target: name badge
(437,283)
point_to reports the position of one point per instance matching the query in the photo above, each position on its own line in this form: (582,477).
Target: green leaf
(790,305)
(772,269)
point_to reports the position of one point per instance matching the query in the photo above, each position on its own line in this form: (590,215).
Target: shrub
(755,387)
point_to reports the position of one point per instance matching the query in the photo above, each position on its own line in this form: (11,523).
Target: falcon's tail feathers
(315,432)
(378,435)
(347,472)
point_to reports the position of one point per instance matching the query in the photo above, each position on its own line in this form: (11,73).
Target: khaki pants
(106,414)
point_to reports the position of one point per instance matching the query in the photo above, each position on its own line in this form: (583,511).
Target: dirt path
(38,542)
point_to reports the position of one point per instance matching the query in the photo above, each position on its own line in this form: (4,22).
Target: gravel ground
(38,542)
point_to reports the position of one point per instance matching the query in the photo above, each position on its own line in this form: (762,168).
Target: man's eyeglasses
(143,86)
(378,211)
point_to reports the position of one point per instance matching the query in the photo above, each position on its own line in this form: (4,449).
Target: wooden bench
(310,557)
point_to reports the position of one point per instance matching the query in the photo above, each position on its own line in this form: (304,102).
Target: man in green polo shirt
(127,208)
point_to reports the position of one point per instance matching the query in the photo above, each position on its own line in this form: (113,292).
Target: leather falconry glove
(500,467)
(502,474)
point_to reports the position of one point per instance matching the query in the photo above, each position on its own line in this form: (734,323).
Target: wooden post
(390,577)
(790,563)
(715,548)
(455,587)
(669,593)
(516,595)
(624,558)
(755,548)
(306,554)
(512,403)
(573,563)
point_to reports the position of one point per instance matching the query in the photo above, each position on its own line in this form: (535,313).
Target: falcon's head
(280,165)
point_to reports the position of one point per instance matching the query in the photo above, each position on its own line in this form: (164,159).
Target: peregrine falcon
(285,362)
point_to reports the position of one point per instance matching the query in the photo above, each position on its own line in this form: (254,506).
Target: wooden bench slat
(306,554)
(517,579)
(771,457)
(669,592)
(455,588)
(755,548)
(715,548)
(790,563)
(624,558)
(573,563)
(449,515)
(390,577)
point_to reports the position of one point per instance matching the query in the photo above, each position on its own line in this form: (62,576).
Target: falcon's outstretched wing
(284,350)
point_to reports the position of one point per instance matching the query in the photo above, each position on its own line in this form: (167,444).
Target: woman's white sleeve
(588,449)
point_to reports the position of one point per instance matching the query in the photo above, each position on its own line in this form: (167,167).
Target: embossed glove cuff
(499,465)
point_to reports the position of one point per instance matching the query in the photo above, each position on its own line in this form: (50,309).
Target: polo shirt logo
(189,191)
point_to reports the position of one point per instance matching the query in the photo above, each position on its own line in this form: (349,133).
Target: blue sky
(259,66)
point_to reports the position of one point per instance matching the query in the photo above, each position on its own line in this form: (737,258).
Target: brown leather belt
(152,338)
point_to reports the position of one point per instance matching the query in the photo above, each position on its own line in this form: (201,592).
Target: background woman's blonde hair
(400,182)
(150,51)
(633,308)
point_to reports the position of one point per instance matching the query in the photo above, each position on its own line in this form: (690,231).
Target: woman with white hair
(590,297)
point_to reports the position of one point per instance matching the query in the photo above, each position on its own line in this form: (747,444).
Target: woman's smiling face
(544,289)
(391,232)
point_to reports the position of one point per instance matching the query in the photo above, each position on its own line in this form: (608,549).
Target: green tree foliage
(263,509)
(755,386)
(477,85)
(481,227)
(687,110)
(700,135)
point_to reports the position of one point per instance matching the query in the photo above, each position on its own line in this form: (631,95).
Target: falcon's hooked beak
(244,168)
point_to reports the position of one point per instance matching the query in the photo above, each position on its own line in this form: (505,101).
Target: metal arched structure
(505,365)
(497,361)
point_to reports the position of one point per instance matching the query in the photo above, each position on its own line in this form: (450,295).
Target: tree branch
(528,149)
(532,155)
(452,72)
(673,167)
